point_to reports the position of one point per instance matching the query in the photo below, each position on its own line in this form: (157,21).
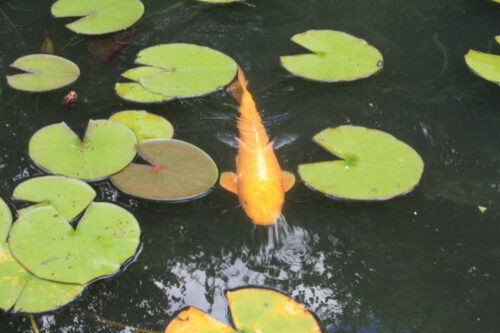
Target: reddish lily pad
(193,320)
(178,171)
(107,46)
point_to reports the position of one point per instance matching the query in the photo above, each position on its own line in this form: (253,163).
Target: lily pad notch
(485,65)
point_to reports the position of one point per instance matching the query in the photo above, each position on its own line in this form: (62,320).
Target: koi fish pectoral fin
(229,182)
(288,180)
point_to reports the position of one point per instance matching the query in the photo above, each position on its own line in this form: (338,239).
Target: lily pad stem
(33,323)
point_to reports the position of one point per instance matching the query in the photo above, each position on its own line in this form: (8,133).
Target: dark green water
(426,262)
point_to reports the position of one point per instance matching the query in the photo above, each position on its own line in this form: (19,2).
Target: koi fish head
(263,208)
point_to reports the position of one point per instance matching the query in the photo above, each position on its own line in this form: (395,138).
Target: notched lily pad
(99,16)
(47,245)
(337,57)
(21,291)
(5,220)
(178,171)
(145,125)
(192,320)
(374,165)
(134,92)
(107,148)
(68,196)
(44,72)
(484,65)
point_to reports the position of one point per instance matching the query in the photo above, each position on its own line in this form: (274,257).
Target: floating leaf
(107,46)
(482,209)
(193,320)
(188,70)
(48,46)
(374,165)
(21,291)
(5,220)
(484,65)
(253,310)
(45,72)
(107,148)
(99,16)
(69,196)
(179,171)
(47,245)
(146,126)
(134,92)
(337,57)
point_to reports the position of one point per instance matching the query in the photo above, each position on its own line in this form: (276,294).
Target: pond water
(425,262)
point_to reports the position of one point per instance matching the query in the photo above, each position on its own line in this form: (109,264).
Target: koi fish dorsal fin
(238,87)
(229,182)
(288,180)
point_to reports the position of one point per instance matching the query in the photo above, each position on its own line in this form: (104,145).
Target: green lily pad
(21,291)
(374,165)
(107,148)
(179,171)
(484,65)
(44,72)
(68,195)
(253,310)
(337,57)
(99,16)
(134,92)
(5,220)
(187,70)
(47,245)
(145,125)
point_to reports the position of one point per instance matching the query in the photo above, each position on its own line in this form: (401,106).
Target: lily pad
(374,165)
(484,65)
(99,16)
(47,245)
(179,171)
(253,310)
(21,291)
(69,196)
(337,57)
(145,125)
(134,92)
(44,72)
(188,70)
(5,220)
(107,148)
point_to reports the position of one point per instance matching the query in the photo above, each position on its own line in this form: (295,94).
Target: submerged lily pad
(134,92)
(187,70)
(5,220)
(179,171)
(47,245)
(337,57)
(99,16)
(69,196)
(253,310)
(107,148)
(21,291)
(484,65)
(45,72)
(374,165)
(145,125)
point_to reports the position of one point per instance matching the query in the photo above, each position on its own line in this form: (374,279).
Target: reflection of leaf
(21,291)
(374,165)
(5,220)
(45,72)
(107,46)
(46,244)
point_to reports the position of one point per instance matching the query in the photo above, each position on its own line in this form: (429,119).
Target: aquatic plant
(178,171)
(485,65)
(99,17)
(107,148)
(252,310)
(44,72)
(105,47)
(145,125)
(374,165)
(336,56)
(5,220)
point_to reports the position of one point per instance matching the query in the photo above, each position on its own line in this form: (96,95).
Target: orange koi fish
(259,182)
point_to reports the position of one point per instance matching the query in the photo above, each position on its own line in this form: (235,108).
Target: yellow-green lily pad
(484,65)
(336,56)
(145,125)
(99,16)
(178,171)
(44,72)
(5,220)
(22,292)
(374,165)
(46,244)
(107,148)
(133,91)
(69,196)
